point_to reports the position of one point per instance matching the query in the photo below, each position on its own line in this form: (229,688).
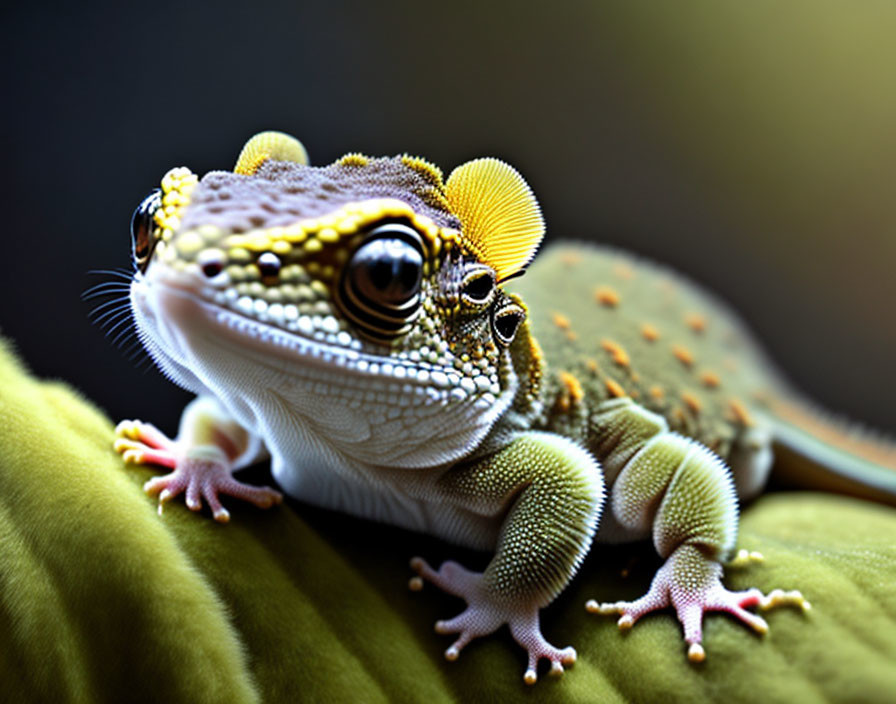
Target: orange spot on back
(657,392)
(573,387)
(617,353)
(695,322)
(692,402)
(614,388)
(738,412)
(570,258)
(683,355)
(571,335)
(624,271)
(560,320)
(591,365)
(710,379)
(606,296)
(649,332)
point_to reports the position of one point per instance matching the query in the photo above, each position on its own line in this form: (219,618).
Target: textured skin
(616,323)
(449,412)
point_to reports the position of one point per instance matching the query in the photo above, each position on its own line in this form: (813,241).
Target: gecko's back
(611,324)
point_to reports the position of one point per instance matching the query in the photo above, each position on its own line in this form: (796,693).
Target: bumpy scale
(352,321)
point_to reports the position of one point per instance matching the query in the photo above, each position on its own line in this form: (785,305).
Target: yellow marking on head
(617,353)
(695,322)
(501,222)
(624,271)
(710,379)
(606,296)
(692,402)
(614,388)
(312,234)
(428,170)
(560,320)
(738,412)
(650,333)
(657,393)
(354,159)
(177,186)
(269,145)
(683,355)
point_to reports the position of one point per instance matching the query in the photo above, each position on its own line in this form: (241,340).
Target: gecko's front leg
(552,491)
(208,447)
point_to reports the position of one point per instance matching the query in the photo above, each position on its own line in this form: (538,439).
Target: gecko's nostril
(211,262)
(212,269)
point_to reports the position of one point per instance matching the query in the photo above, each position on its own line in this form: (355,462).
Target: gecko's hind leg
(687,494)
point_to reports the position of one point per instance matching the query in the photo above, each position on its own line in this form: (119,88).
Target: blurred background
(751,146)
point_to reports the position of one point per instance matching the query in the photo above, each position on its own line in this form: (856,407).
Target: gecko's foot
(485,614)
(199,473)
(691,583)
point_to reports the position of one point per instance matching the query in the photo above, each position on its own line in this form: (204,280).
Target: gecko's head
(368,278)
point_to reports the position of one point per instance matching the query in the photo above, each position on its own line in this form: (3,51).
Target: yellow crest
(269,145)
(500,219)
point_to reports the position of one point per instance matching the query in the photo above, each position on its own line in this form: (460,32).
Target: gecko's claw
(205,480)
(485,614)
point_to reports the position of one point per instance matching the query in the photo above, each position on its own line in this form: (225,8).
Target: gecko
(375,329)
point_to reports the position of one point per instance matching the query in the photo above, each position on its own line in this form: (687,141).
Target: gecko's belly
(403,498)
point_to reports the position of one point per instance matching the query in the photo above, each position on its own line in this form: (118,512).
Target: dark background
(750,145)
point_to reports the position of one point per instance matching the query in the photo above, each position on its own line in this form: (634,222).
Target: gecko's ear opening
(500,220)
(269,145)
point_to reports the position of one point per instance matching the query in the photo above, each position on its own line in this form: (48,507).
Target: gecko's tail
(815,450)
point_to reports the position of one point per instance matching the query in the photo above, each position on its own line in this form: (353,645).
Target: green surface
(103,600)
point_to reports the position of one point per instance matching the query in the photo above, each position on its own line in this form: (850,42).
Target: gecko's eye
(142,229)
(506,322)
(478,285)
(380,287)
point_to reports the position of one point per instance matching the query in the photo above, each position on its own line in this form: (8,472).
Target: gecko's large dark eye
(142,229)
(380,288)
(506,322)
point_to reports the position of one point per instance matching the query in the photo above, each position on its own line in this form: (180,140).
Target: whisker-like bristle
(125,320)
(105,289)
(119,273)
(116,302)
(122,335)
(107,318)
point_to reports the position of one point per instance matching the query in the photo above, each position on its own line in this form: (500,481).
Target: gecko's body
(351,320)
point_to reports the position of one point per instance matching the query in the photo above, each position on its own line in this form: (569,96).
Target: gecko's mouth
(184,319)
